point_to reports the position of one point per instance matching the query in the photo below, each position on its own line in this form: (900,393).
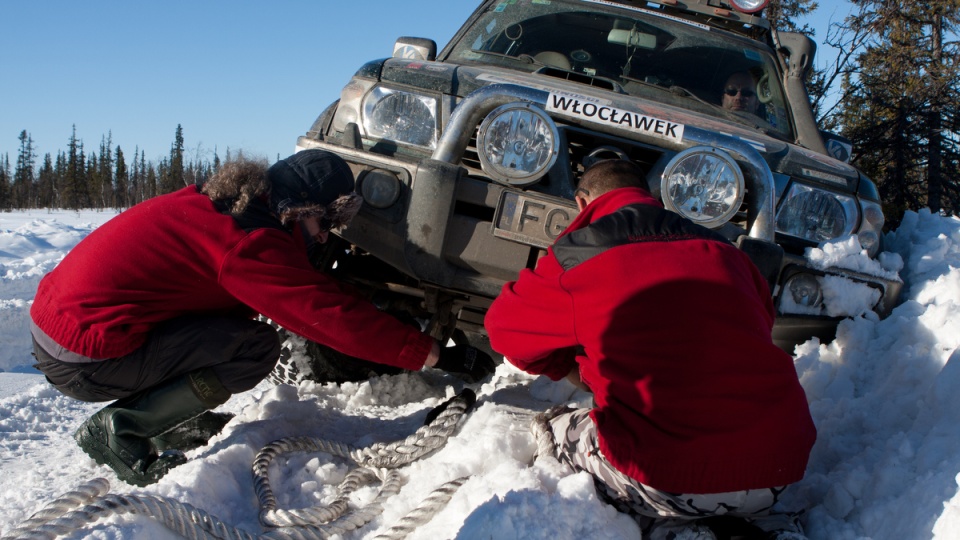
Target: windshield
(646,52)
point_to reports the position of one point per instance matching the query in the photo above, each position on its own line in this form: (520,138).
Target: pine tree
(60,169)
(942,102)
(122,194)
(877,116)
(150,182)
(136,181)
(94,182)
(23,176)
(5,177)
(46,184)
(173,176)
(75,187)
(104,184)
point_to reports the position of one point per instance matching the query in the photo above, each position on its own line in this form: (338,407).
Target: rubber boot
(193,433)
(118,435)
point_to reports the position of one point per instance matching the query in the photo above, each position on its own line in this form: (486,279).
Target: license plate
(529,220)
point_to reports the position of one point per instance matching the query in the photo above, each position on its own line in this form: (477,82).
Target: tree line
(102,179)
(893,90)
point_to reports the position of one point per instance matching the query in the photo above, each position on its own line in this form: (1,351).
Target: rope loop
(378,463)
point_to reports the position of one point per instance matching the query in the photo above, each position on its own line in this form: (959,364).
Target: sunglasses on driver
(731,91)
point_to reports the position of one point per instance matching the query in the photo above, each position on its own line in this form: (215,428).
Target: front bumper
(440,232)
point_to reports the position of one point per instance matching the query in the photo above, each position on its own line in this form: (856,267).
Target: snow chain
(377,463)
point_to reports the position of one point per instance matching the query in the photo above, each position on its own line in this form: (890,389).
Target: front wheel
(304,360)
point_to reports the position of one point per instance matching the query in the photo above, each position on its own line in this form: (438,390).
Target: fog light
(871,227)
(704,185)
(517,144)
(380,188)
(805,290)
(869,241)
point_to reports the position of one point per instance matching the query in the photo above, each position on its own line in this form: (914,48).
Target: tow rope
(91,501)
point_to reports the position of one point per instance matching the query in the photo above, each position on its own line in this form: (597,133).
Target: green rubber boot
(193,433)
(118,435)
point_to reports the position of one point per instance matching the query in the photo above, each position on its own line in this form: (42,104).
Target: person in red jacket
(696,412)
(155,309)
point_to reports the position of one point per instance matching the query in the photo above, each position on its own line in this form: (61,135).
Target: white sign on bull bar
(612,116)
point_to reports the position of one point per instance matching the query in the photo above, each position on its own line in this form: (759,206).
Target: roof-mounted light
(749,6)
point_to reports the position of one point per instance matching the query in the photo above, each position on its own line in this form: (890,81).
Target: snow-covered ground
(885,396)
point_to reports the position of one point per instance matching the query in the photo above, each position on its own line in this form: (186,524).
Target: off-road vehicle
(467,160)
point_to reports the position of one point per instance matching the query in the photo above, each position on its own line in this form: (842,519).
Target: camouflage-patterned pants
(654,510)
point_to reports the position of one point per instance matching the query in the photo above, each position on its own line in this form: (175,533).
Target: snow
(885,395)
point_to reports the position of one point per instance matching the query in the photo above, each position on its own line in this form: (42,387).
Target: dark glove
(466,362)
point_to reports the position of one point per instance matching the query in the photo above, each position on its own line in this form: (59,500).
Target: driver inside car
(740,93)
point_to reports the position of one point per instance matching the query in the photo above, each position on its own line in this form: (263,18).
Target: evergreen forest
(893,90)
(100,179)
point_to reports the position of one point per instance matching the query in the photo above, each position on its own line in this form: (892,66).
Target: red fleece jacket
(671,328)
(176,254)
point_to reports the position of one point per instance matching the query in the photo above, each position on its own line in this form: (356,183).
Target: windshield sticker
(751,54)
(612,116)
(650,12)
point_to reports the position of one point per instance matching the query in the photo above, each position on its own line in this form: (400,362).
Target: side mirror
(414,48)
(838,146)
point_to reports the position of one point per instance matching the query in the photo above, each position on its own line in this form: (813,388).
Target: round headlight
(704,185)
(517,143)
(379,188)
(749,6)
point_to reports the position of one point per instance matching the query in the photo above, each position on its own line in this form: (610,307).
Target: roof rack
(719,12)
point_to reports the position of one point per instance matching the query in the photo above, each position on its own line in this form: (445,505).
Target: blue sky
(238,75)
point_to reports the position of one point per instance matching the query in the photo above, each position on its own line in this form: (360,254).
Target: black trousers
(240,352)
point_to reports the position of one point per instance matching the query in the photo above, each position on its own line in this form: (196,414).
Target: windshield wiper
(673,89)
(522,59)
(683,92)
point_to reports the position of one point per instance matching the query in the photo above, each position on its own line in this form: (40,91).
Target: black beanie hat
(308,179)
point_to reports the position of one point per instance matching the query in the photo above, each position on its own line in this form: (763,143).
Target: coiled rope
(377,463)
